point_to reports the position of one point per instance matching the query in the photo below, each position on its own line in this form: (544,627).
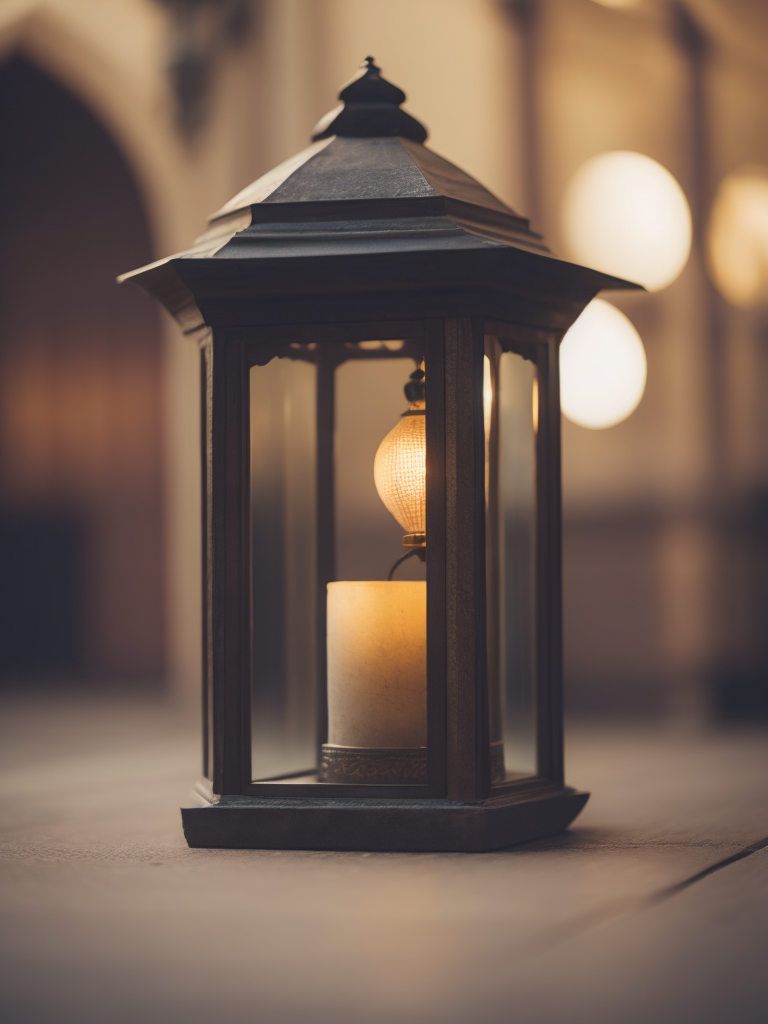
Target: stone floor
(652,908)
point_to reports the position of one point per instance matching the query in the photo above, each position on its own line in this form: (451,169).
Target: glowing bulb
(625,214)
(602,367)
(400,470)
(737,241)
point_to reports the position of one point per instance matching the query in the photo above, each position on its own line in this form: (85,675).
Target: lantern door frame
(458,745)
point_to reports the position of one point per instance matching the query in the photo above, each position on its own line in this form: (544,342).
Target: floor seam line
(672,890)
(587,922)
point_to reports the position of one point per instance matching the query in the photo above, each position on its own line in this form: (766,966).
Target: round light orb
(602,367)
(625,214)
(737,240)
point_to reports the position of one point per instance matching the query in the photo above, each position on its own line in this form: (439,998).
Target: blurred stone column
(693,568)
(525,15)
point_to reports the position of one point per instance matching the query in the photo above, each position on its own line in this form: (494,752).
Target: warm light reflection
(602,367)
(487,412)
(487,396)
(373,346)
(737,242)
(618,3)
(626,215)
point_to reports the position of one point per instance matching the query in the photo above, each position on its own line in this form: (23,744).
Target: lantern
(381,450)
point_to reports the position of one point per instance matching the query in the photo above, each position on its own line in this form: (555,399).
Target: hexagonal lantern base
(296,823)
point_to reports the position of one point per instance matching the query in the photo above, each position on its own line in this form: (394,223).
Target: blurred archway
(81,591)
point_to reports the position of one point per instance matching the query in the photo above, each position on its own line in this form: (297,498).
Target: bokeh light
(602,367)
(626,215)
(737,242)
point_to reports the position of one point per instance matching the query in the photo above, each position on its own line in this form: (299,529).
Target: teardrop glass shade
(400,472)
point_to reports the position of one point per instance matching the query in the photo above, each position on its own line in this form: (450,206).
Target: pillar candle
(377,664)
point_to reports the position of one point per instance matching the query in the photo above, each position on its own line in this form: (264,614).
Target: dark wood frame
(458,710)
(330,354)
(542,348)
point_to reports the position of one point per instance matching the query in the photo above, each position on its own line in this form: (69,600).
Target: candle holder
(382,572)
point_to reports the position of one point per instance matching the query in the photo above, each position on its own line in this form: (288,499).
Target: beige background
(646,622)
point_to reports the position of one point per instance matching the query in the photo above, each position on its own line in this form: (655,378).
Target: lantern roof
(369,150)
(366,206)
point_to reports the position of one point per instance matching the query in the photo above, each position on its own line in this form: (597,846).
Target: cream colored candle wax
(377,664)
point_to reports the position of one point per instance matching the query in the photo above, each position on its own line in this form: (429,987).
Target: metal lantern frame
(369,236)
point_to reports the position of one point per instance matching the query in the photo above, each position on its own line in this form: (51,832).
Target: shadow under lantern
(358,694)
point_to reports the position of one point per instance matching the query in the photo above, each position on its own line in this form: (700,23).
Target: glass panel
(377,730)
(511,405)
(284,567)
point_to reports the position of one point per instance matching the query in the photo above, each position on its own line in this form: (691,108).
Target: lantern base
(343,823)
(394,766)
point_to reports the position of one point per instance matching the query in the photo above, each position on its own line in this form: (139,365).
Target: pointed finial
(371,109)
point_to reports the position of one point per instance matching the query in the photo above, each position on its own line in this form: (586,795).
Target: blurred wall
(80,401)
(665,513)
(665,526)
(112,58)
